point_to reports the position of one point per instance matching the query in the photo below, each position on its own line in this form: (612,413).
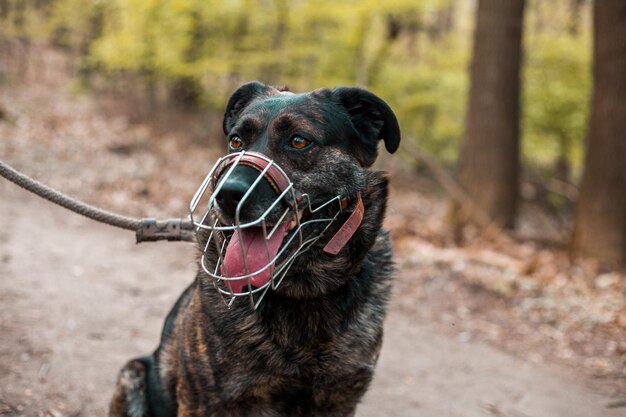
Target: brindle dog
(311,346)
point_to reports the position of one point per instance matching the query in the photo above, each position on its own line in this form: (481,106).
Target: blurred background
(414,53)
(509,203)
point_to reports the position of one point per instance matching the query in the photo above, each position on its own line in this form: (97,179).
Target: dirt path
(78,299)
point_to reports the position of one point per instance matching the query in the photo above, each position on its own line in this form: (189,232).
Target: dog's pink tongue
(256,255)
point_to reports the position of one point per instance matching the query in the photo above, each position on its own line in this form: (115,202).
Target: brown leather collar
(347,230)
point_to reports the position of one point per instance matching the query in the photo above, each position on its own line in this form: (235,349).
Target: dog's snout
(244,194)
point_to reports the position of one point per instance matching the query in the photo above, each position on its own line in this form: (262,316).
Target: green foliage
(556,98)
(303,44)
(414,53)
(24,18)
(67,23)
(430,99)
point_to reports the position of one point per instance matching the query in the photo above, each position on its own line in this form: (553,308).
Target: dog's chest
(296,363)
(301,344)
(299,381)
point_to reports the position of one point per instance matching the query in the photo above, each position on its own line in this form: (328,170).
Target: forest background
(414,53)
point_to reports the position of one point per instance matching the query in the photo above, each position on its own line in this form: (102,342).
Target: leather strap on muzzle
(274,176)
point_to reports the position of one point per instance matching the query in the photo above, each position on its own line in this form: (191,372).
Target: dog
(309,348)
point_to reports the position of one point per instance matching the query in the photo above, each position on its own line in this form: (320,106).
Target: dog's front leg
(130,398)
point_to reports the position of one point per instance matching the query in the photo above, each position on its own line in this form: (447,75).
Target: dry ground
(79,299)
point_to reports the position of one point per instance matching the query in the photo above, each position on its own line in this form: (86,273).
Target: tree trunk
(489,161)
(600,229)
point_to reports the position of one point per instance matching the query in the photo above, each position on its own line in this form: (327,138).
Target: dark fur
(311,346)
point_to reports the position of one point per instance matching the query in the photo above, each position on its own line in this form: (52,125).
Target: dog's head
(319,146)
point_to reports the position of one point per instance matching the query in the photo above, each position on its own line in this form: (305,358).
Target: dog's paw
(130,398)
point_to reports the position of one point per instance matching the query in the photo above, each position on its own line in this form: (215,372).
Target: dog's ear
(239,100)
(373,120)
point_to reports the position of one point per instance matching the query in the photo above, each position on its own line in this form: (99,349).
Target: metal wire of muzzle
(254,282)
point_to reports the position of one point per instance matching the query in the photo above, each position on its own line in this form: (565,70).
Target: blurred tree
(489,162)
(600,229)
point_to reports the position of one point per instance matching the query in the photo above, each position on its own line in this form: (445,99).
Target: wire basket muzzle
(251,256)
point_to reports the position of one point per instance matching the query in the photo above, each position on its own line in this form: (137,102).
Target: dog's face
(324,141)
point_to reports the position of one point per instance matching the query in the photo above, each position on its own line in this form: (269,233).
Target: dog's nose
(231,194)
(244,180)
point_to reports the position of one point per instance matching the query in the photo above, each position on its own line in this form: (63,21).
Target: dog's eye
(235,142)
(298,142)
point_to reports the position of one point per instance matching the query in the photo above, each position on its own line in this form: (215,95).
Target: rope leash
(146,230)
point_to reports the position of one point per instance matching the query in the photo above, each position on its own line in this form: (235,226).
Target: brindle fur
(311,346)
